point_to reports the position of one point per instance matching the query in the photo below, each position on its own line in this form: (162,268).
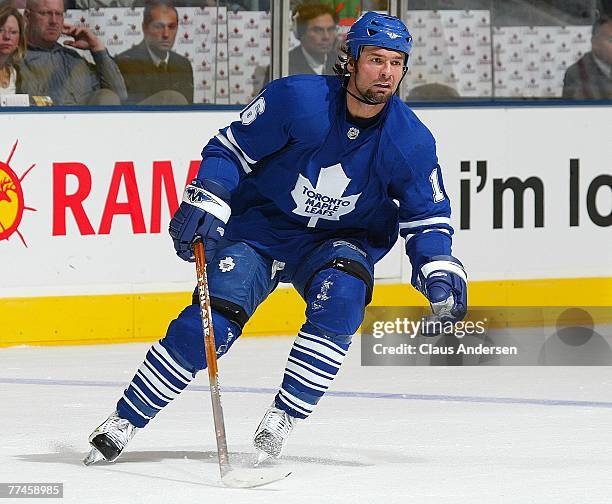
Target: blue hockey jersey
(300,172)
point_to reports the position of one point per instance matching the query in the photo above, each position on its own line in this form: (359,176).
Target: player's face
(45,21)
(602,43)
(377,73)
(9,39)
(160,33)
(320,35)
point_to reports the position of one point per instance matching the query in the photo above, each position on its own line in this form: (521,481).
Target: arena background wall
(229,51)
(85,201)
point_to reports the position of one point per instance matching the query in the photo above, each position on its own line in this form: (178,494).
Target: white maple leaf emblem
(227,264)
(325,200)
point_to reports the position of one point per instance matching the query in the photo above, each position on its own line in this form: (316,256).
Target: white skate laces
(273,430)
(109,439)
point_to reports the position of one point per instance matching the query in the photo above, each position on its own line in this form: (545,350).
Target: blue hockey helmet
(380,30)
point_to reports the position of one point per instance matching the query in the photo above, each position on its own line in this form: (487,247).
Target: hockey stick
(237,478)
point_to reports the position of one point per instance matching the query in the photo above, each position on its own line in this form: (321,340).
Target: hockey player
(310,186)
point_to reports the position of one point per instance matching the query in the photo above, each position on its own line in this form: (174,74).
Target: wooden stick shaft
(211,357)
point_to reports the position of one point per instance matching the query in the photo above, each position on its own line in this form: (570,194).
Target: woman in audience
(12,48)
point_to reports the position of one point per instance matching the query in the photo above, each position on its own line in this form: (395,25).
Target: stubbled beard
(377,97)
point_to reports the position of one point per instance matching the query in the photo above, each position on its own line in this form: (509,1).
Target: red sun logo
(12,203)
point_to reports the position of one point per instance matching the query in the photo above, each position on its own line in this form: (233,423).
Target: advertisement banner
(86,198)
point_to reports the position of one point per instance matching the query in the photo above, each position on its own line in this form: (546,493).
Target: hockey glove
(443,281)
(203,212)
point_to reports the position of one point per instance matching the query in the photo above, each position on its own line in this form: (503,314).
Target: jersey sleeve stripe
(231,138)
(230,147)
(425,222)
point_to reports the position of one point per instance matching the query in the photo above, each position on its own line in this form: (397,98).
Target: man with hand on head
(50,69)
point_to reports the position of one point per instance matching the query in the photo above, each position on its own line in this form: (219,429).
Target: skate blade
(252,478)
(92,457)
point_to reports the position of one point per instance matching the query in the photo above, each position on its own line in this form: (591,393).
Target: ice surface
(394,434)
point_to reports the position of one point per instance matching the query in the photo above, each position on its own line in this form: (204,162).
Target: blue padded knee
(185,342)
(335,302)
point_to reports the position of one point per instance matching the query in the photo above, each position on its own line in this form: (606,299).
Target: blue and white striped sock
(313,363)
(157,382)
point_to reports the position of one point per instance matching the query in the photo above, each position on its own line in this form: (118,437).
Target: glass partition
(226,43)
(219,52)
(506,49)
(144,52)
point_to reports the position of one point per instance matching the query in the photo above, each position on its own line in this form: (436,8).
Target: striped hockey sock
(157,382)
(313,363)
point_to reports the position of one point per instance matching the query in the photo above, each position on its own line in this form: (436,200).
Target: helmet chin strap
(362,99)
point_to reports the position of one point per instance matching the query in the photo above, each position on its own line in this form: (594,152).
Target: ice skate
(273,431)
(109,439)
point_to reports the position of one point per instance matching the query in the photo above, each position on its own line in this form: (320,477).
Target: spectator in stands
(591,76)
(315,28)
(50,69)
(12,48)
(155,75)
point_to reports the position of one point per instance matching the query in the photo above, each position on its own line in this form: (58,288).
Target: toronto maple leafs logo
(227,264)
(352,133)
(325,200)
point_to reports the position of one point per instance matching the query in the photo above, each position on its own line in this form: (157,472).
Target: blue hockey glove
(443,281)
(203,212)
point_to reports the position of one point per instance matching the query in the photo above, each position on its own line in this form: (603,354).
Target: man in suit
(153,73)
(315,28)
(590,78)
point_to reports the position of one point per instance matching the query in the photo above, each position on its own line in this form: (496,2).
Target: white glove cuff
(449,266)
(207,201)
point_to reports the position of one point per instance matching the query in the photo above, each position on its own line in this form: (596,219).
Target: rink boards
(84,209)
